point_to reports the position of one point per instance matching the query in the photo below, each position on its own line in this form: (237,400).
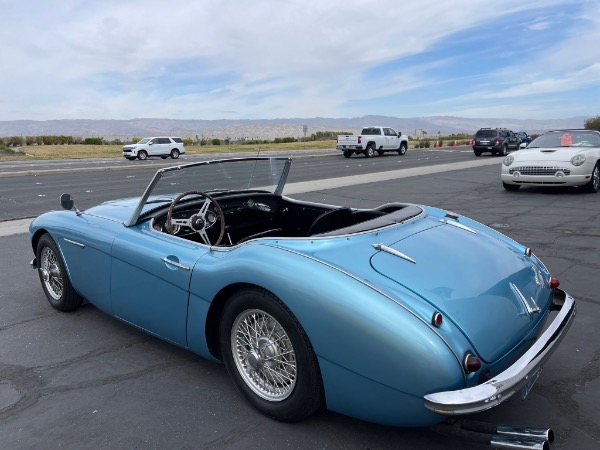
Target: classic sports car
(556,158)
(383,314)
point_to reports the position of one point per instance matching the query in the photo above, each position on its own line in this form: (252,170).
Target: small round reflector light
(554,283)
(472,363)
(437,319)
(528,251)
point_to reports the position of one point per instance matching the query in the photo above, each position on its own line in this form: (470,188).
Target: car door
(150,280)
(165,145)
(154,147)
(394,139)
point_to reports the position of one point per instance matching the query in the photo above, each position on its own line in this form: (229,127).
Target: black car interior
(252,215)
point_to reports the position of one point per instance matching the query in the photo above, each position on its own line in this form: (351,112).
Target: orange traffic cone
(455,144)
(437,144)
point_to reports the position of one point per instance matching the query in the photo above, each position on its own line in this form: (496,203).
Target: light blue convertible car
(401,314)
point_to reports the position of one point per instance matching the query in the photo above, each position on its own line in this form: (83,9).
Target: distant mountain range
(270,128)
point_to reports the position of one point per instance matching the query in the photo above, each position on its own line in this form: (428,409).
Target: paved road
(84,380)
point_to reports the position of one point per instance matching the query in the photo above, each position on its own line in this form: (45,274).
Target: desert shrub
(592,123)
(93,141)
(188,141)
(327,135)
(215,141)
(14,141)
(441,142)
(135,140)
(29,140)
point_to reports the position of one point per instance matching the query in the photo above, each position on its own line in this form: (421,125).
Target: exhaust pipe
(526,432)
(506,442)
(502,437)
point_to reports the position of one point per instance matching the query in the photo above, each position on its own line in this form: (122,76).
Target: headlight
(578,160)
(508,160)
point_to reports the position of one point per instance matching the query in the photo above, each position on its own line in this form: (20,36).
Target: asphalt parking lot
(85,380)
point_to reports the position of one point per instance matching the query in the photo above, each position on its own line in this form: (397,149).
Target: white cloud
(259,59)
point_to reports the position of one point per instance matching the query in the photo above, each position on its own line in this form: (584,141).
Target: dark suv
(497,141)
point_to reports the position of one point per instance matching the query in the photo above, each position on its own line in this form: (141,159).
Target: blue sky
(266,59)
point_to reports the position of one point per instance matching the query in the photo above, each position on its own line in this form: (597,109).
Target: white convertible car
(556,158)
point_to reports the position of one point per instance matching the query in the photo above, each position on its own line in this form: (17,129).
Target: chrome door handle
(175,264)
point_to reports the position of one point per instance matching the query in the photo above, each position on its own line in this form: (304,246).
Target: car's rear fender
(349,323)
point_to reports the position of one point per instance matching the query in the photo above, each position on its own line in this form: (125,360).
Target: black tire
(380,152)
(54,277)
(369,151)
(260,308)
(593,185)
(511,187)
(142,155)
(347,153)
(163,157)
(402,149)
(174,153)
(504,151)
(477,152)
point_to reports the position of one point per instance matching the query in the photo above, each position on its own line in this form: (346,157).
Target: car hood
(477,281)
(547,154)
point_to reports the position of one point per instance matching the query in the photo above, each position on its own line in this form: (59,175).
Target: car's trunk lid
(482,284)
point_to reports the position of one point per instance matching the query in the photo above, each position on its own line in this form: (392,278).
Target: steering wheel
(197,222)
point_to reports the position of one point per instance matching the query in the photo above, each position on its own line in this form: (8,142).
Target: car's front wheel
(269,356)
(504,151)
(54,277)
(402,149)
(142,155)
(594,184)
(511,187)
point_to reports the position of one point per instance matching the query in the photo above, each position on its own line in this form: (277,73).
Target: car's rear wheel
(477,152)
(402,149)
(369,151)
(511,187)
(53,275)
(269,356)
(142,155)
(594,184)
(174,153)
(347,153)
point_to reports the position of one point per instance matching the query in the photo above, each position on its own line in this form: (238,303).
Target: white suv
(155,146)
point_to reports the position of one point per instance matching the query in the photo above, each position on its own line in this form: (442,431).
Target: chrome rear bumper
(518,377)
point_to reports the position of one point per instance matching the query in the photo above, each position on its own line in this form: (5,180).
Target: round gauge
(250,203)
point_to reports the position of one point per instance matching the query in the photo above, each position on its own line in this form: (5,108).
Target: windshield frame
(133,220)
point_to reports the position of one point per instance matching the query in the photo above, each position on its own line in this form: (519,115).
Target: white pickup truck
(371,140)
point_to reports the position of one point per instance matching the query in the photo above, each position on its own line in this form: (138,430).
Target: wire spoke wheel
(264,355)
(51,273)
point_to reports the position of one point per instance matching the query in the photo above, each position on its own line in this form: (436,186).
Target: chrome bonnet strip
(391,251)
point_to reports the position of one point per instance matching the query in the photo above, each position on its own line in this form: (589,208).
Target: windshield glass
(486,133)
(240,174)
(144,141)
(569,138)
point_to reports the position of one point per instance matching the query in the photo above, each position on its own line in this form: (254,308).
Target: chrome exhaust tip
(545,434)
(506,442)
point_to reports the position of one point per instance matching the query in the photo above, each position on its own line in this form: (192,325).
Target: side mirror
(150,143)
(67,202)
(399,133)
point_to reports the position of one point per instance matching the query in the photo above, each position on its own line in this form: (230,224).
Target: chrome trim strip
(78,244)
(175,264)
(458,225)
(391,251)
(506,384)
(530,310)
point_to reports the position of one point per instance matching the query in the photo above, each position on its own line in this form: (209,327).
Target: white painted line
(11,227)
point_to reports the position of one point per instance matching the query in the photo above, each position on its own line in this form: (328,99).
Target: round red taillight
(554,283)
(528,251)
(472,363)
(437,319)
